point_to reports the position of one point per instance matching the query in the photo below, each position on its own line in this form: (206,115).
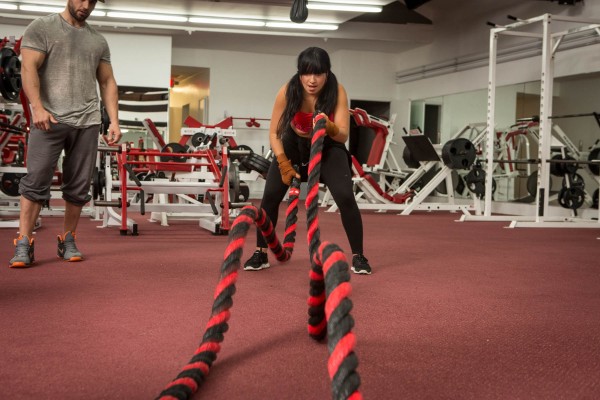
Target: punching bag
(299,11)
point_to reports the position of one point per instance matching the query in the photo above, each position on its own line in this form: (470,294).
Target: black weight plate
(198,139)
(594,155)
(459,153)
(441,188)
(571,198)
(408,158)
(10,183)
(595,199)
(532,184)
(173,148)
(257,163)
(234,182)
(574,180)
(244,192)
(10,74)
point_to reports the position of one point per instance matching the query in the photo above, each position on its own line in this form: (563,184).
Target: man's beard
(75,15)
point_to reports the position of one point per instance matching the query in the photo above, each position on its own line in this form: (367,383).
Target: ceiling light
(41,9)
(352,2)
(150,17)
(293,25)
(343,7)
(5,6)
(226,21)
(97,13)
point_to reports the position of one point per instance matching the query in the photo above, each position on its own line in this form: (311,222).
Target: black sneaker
(360,265)
(258,261)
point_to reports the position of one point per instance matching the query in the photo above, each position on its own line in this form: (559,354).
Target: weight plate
(174,148)
(458,153)
(441,188)
(560,169)
(10,74)
(408,158)
(574,180)
(594,155)
(198,139)
(256,162)
(571,198)
(234,182)
(10,183)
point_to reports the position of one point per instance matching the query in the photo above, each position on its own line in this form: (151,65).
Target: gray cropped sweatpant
(43,152)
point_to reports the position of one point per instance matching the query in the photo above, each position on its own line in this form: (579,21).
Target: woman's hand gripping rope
(329,304)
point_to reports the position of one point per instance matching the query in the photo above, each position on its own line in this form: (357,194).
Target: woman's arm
(276,115)
(342,116)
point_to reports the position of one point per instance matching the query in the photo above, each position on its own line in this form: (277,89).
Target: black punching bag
(299,11)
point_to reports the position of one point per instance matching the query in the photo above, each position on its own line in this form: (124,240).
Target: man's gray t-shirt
(68,75)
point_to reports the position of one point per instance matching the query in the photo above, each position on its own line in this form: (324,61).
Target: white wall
(137,60)
(140,60)
(245,84)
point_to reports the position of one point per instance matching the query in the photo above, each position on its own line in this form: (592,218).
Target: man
(62,59)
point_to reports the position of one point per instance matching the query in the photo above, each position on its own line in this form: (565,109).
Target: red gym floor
(452,311)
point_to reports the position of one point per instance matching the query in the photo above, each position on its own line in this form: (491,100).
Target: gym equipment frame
(550,43)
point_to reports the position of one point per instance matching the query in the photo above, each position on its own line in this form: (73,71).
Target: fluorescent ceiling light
(41,9)
(5,6)
(304,25)
(351,2)
(96,13)
(344,7)
(150,17)
(226,21)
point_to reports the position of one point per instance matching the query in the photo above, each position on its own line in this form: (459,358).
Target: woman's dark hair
(313,60)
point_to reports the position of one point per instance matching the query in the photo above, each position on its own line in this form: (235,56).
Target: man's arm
(110,99)
(31,61)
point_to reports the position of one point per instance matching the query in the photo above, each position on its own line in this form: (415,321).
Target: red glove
(285,168)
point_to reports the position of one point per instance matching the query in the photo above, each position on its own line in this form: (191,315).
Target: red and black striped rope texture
(329,273)
(329,306)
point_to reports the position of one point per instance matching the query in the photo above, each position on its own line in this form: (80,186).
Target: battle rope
(329,306)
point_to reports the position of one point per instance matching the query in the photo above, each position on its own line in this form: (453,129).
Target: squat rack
(551,42)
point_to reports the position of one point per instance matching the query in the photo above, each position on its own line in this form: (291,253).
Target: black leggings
(335,174)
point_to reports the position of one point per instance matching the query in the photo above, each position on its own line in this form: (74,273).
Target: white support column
(545,132)
(491,131)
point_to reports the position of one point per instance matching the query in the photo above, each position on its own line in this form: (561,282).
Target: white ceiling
(395,30)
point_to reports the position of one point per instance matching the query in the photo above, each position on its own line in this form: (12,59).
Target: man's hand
(42,119)
(114,134)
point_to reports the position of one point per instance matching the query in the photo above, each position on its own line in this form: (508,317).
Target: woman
(313,87)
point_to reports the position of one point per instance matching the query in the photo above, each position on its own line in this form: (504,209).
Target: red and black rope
(329,311)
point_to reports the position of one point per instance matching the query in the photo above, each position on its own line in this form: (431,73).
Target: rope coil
(329,305)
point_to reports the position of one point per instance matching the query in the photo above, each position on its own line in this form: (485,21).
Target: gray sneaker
(67,250)
(23,253)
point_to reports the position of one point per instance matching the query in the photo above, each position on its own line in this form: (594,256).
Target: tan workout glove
(331,128)
(285,168)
